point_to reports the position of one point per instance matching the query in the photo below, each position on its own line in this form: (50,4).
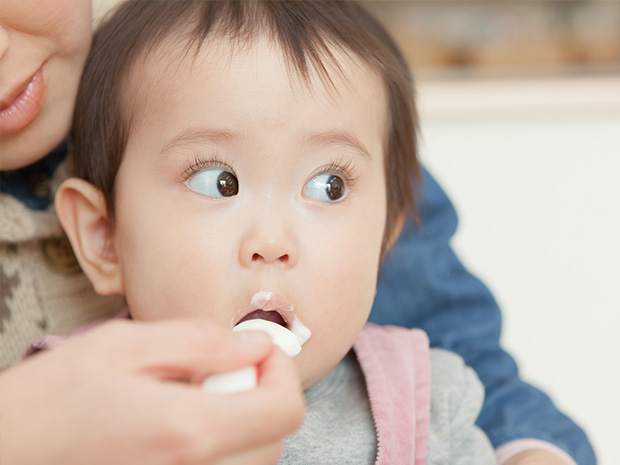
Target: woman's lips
(23,105)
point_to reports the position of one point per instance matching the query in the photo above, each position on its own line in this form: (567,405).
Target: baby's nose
(268,246)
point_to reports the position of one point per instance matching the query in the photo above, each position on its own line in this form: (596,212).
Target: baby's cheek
(149,289)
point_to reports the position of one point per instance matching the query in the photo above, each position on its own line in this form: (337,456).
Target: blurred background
(519,105)
(505,36)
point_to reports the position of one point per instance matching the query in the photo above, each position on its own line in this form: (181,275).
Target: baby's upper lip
(267,302)
(9,97)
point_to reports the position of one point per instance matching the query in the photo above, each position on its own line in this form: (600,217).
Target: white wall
(533,167)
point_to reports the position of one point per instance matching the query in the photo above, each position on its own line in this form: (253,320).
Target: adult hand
(129,392)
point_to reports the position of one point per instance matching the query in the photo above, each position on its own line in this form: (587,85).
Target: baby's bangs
(302,30)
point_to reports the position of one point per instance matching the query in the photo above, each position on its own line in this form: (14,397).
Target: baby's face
(43,48)
(236,180)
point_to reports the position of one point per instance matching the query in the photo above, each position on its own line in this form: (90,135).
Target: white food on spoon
(290,341)
(280,336)
(231,382)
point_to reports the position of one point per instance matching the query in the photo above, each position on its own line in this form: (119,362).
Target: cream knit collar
(18,223)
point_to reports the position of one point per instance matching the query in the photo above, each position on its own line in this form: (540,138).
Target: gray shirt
(339,428)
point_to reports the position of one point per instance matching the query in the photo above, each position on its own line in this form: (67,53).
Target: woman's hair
(306,31)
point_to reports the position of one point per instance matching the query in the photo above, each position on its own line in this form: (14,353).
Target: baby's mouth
(268,315)
(271,308)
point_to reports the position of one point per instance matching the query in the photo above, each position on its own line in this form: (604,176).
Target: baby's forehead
(173,60)
(311,66)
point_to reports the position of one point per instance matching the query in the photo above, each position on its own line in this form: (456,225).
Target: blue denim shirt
(423,284)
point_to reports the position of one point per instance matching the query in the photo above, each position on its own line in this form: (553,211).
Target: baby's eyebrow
(342,138)
(195,136)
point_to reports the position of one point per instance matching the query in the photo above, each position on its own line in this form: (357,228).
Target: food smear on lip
(259,299)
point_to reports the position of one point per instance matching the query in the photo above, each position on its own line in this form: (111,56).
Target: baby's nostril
(282,258)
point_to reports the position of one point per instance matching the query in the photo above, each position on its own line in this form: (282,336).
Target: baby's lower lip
(25,107)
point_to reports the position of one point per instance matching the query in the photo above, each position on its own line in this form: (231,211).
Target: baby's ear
(81,209)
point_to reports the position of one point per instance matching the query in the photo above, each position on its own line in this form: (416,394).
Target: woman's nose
(4,40)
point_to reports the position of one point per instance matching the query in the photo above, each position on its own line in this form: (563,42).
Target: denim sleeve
(423,284)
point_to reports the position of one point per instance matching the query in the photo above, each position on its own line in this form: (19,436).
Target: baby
(256,158)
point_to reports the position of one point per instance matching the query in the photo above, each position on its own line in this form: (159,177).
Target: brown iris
(334,187)
(227,184)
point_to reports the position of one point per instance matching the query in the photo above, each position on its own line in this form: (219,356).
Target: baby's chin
(314,367)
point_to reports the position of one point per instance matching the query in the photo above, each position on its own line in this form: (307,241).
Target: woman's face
(43,48)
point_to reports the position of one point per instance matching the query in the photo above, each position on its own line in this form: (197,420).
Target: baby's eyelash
(342,168)
(200,163)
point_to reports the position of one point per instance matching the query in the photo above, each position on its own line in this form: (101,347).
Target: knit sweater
(42,287)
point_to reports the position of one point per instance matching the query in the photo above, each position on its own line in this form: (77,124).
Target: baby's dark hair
(306,31)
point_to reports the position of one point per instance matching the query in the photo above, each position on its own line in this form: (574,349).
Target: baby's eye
(325,187)
(214,183)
